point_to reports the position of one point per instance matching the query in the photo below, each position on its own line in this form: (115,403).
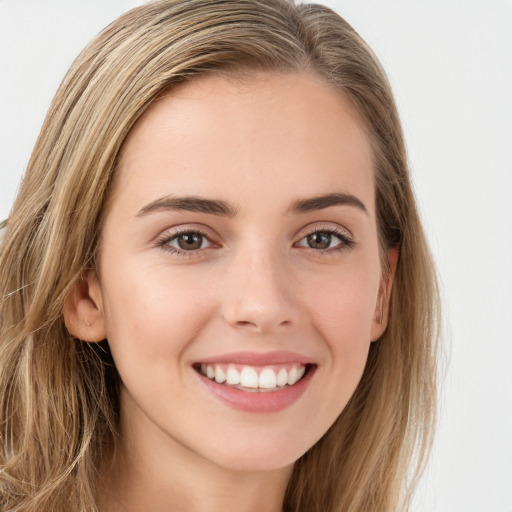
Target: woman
(216,288)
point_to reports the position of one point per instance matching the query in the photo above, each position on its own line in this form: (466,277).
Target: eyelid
(162,241)
(325,226)
(342,233)
(347,240)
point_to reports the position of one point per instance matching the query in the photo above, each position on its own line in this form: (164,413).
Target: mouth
(260,383)
(262,379)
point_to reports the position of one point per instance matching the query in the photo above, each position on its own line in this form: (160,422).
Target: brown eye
(319,240)
(189,241)
(324,240)
(186,242)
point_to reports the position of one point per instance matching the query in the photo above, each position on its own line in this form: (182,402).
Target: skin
(255,284)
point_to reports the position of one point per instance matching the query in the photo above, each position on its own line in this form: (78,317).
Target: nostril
(261,325)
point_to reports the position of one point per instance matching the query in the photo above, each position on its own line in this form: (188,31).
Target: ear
(380,320)
(83,309)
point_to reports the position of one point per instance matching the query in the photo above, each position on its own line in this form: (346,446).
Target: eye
(324,240)
(185,241)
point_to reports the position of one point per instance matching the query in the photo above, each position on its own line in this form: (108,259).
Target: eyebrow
(223,209)
(191,204)
(326,201)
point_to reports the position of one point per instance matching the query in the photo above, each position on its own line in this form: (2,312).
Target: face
(239,280)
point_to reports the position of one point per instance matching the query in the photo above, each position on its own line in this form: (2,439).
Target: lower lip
(258,401)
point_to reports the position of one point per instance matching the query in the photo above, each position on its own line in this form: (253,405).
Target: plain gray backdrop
(450,64)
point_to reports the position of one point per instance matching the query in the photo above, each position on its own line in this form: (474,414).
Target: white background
(450,64)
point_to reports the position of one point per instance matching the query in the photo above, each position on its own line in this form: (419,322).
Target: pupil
(319,240)
(190,241)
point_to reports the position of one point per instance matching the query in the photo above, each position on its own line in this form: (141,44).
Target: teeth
(292,377)
(248,377)
(268,379)
(233,377)
(220,376)
(282,377)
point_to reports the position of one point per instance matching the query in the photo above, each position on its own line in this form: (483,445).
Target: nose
(258,294)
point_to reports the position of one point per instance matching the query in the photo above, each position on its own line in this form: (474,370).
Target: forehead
(287,129)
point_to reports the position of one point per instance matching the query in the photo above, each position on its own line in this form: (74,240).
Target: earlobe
(83,309)
(380,321)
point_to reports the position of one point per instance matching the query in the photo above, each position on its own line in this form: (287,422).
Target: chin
(255,462)
(254,453)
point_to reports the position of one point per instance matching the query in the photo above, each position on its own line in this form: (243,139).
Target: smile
(253,378)
(256,383)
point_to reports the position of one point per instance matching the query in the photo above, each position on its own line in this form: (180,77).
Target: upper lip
(258,358)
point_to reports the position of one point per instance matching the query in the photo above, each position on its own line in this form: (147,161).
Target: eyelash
(166,239)
(346,242)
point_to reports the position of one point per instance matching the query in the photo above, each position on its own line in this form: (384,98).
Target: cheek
(343,311)
(343,306)
(343,318)
(345,327)
(153,312)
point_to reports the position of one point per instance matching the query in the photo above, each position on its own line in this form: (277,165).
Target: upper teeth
(248,376)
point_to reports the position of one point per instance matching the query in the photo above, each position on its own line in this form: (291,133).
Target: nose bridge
(258,289)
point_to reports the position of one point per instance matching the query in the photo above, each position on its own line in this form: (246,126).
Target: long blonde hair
(59,396)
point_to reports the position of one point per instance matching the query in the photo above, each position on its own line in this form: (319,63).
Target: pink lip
(258,401)
(258,359)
